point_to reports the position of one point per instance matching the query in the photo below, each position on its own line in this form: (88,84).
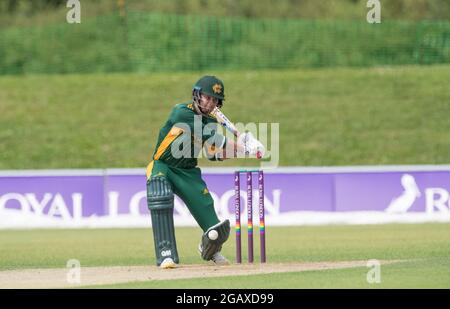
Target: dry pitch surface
(91,276)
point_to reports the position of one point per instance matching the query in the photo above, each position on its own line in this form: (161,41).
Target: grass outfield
(422,248)
(339,116)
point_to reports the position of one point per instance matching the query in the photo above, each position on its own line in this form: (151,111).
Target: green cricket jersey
(183,136)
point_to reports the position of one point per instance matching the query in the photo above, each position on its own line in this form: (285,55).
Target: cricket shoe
(168,263)
(217,258)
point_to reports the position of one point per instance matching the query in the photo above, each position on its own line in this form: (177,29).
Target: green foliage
(153,42)
(63,48)
(30,6)
(332,9)
(387,115)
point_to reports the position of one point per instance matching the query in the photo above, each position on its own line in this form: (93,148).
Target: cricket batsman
(191,127)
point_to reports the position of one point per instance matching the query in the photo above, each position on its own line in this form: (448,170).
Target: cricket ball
(213,235)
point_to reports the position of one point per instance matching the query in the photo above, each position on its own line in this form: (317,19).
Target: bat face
(224,121)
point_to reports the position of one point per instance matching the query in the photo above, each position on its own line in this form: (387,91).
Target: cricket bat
(225,122)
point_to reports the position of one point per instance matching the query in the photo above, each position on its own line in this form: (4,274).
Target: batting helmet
(211,86)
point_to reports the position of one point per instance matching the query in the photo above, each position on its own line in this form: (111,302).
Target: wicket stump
(237,200)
